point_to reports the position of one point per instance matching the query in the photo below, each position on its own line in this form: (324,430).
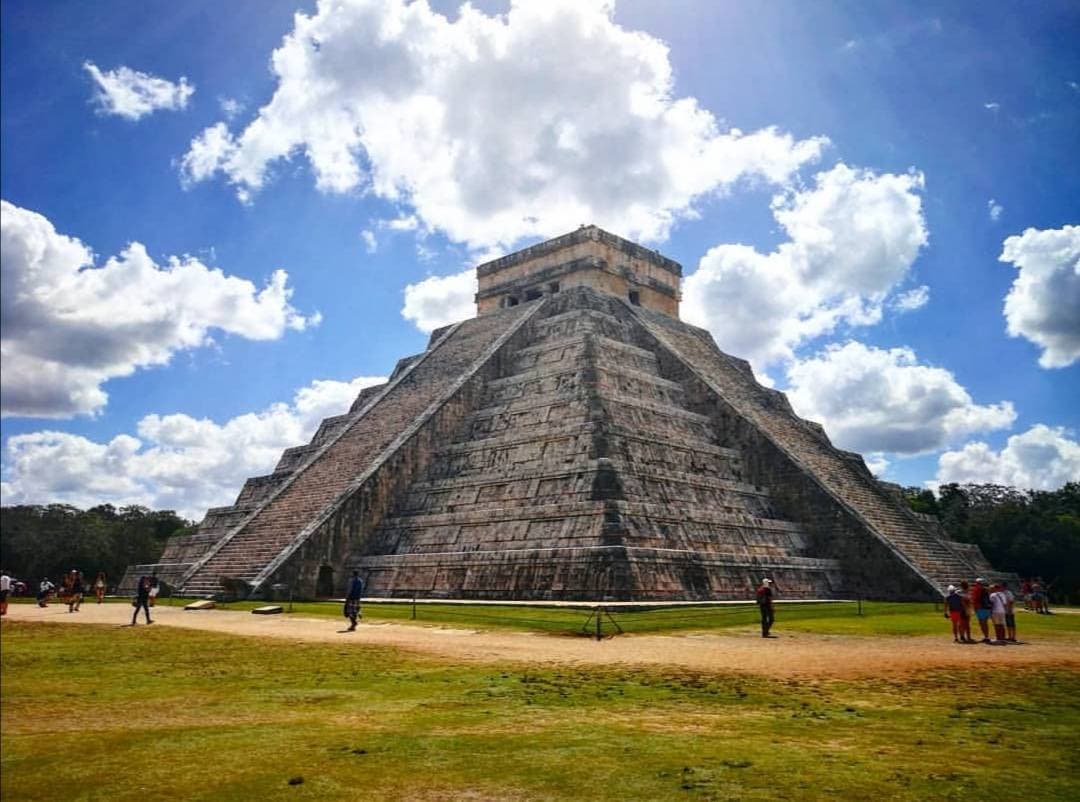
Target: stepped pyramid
(575,440)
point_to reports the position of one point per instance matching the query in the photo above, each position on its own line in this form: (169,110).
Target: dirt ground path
(789,655)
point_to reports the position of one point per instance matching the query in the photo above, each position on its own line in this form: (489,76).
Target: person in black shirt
(764,596)
(142,600)
(352,600)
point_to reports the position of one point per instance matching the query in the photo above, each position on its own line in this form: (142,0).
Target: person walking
(352,600)
(5,591)
(764,598)
(75,591)
(142,600)
(99,587)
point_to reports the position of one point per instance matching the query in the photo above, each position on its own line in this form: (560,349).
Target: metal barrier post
(599,623)
(860,605)
(413,608)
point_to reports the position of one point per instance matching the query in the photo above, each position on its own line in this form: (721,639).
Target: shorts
(4,595)
(956,616)
(982,615)
(999,619)
(1010,620)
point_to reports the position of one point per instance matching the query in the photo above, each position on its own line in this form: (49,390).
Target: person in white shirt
(1010,613)
(5,591)
(999,603)
(44,589)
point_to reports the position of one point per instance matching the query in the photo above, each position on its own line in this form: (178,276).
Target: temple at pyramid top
(589,257)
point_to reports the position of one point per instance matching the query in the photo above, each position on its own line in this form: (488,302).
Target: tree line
(1035,533)
(49,540)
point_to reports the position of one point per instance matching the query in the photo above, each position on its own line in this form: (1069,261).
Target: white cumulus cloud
(882,400)
(131,94)
(913,299)
(173,461)
(994,209)
(1042,458)
(1043,304)
(853,236)
(68,326)
(439,300)
(493,128)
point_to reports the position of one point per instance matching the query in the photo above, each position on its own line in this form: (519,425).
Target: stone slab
(202,604)
(270,609)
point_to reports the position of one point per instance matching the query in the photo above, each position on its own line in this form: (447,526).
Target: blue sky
(838,180)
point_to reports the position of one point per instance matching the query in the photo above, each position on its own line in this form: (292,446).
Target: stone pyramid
(576,441)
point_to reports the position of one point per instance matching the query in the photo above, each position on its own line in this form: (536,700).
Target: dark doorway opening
(324,585)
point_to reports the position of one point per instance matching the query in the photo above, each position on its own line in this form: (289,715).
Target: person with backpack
(352,600)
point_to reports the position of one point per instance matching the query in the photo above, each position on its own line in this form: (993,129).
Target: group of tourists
(989,604)
(1033,591)
(71,590)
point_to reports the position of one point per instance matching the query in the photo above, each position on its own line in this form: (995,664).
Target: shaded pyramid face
(584,474)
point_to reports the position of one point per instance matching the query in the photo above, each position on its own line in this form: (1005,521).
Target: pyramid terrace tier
(586,480)
(602,573)
(563,446)
(590,523)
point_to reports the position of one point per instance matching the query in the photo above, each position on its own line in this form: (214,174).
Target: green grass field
(841,618)
(112,713)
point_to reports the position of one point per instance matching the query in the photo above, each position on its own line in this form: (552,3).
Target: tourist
(141,600)
(1010,613)
(352,600)
(75,590)
(65,587)
(1025,594)
(99,587)
(155,588)
(998,605)
(969,610)
(980,600)
(1038,595)
(955,612)
(5,590)
(764,595)
(44,589)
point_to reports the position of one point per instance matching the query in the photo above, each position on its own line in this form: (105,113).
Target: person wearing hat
(764,598)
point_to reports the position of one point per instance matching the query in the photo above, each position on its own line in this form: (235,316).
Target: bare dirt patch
(789,655)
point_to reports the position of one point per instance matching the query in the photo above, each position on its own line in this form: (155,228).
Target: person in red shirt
(764,598)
